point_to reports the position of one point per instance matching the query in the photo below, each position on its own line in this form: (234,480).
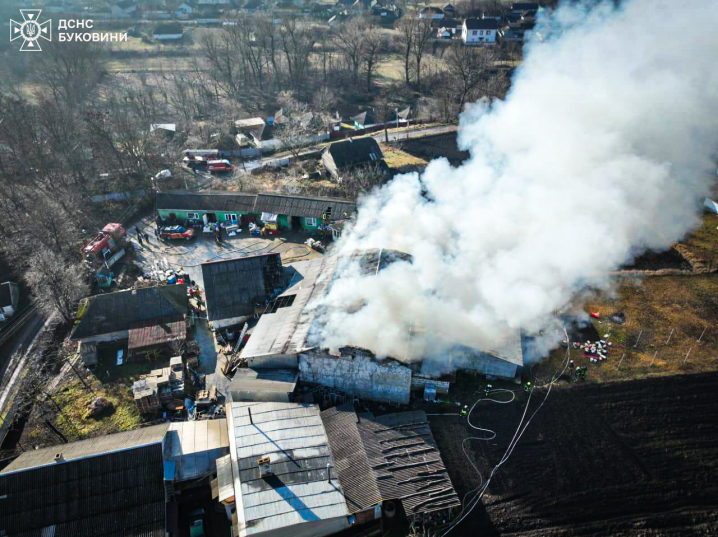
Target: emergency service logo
(30,30)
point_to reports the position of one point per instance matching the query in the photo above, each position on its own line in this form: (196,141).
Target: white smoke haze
(598,153)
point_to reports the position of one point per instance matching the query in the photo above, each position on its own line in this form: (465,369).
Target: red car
(176,232)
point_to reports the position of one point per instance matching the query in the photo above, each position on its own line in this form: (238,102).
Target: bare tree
(350,39)
(414,37)
(55,283)
(468,68)
(373,47)
(298,125)
(361,180)
(70,70)
(423,35)
(407,34)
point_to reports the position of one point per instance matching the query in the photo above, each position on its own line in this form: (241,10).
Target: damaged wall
(357,372)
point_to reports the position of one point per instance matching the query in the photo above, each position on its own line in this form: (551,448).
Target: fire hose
(481,489)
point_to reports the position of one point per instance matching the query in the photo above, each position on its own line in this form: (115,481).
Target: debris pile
(595,351)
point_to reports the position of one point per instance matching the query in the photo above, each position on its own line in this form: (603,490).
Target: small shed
(275,385)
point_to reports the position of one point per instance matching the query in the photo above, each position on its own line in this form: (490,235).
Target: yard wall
(386,381)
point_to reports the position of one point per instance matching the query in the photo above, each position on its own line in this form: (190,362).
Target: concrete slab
(207,348)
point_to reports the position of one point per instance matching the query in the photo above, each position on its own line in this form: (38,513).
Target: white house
(124,9)
(479,31)
(9,298)
(168,32)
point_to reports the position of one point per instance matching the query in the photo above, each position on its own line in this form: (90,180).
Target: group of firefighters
(578,373)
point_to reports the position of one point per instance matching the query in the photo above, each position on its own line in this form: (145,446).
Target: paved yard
(189,255)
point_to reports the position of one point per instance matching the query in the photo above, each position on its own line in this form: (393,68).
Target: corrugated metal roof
(182,200)
(392,457)
(358,481)
(152,332)
(194,446)
(310,207)
(225,482)
(88,448)
(286,330)
(234,287)
(303,486)
(115,494)
(268,202)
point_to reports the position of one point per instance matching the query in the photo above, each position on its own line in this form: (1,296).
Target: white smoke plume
(600,151)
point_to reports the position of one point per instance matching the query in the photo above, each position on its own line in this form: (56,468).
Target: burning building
(288,336)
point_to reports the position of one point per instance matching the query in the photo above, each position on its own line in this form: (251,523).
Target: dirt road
(631,458)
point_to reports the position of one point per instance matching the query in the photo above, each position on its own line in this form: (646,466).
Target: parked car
(176,232)
(219,166)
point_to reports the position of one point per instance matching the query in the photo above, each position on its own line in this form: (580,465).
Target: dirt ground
(629,458)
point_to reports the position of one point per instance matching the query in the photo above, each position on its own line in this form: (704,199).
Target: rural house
(195,206)
(236,288)
(339,157)
(479,31)
(266,385)
(185,8)
(252,128)
(287,211)
(449,10)
(125,9)
(519,8)
(9,299)
(301,212)
(431,12)
(171,31)
(131,315)
(364,120)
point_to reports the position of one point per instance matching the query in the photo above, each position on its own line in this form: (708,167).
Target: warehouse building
(284,479)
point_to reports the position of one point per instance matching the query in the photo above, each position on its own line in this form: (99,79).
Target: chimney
(265,469)
(59,457)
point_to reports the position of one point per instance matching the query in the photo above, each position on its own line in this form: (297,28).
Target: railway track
(17,323)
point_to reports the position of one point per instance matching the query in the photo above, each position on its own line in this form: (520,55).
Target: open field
(670,313)
(630,458)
